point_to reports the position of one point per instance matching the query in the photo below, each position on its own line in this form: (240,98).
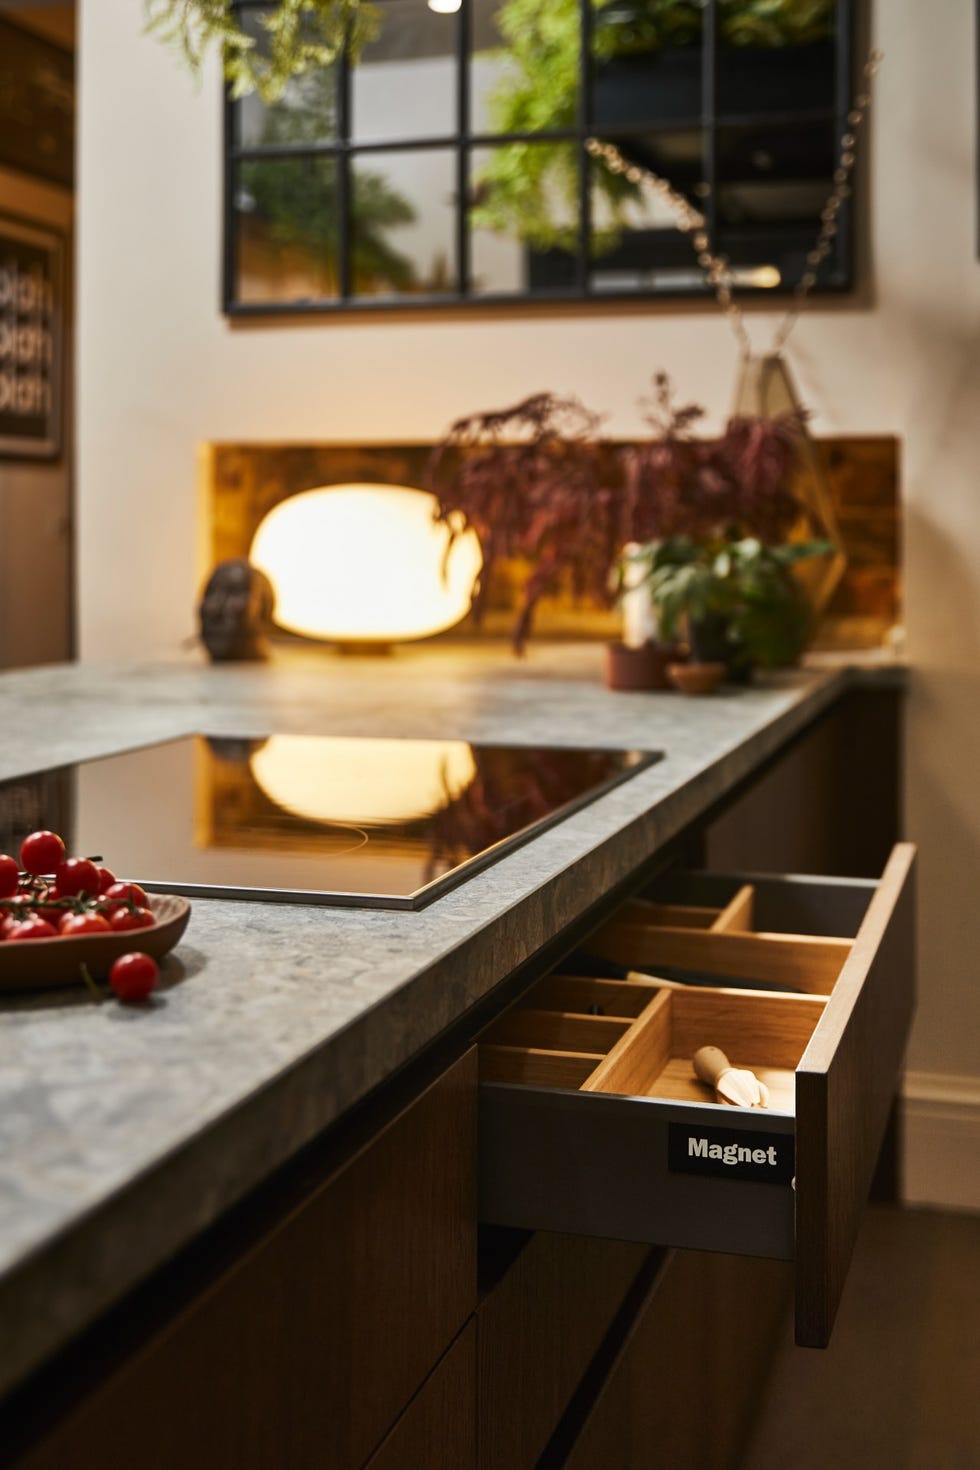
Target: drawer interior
(728,941)
(634,1029)
(636,1039)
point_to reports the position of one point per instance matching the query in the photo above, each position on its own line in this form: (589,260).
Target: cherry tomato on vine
(71,925)
(41,852)
(32,929)
(106,879)
(133,976)
(122,919)
(125,893)
(76,875)
(47,908)
(9,876)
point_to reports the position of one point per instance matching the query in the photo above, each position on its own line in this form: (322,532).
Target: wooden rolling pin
(736,1086)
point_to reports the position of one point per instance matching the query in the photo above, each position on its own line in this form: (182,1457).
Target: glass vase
(766,390)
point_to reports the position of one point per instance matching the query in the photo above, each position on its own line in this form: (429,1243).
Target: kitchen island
(147,1153)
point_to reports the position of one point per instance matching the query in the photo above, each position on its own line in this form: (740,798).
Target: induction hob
(310,818)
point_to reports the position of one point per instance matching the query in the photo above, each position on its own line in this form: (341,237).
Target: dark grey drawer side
(593,1164)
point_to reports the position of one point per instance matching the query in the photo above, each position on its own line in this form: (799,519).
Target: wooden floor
(899,1387)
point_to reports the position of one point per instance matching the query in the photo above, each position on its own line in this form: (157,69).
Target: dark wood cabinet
(683,1389)
(538,1330)
(438,1429)
(308,1347)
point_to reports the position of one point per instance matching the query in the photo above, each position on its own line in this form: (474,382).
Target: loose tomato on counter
(134,976)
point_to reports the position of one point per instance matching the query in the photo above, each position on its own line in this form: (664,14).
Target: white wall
(160,370)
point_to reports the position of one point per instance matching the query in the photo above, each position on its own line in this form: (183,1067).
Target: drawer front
(594,1152)
(538,1329)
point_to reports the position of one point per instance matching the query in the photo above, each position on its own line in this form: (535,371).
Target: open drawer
(592,1119)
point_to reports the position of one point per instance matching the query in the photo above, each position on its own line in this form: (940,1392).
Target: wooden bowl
(697,678)
(38,964)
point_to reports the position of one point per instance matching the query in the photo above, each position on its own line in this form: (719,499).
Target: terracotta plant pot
(630,669)
(697,678)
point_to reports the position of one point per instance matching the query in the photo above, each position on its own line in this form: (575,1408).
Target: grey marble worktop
(125,1131)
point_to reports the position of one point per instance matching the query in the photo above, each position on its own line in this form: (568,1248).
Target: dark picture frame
(37,105)
(32,303)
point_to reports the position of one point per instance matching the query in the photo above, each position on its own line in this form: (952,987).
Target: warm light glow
(759,275)
(364,563)
(444,7)
(394,781)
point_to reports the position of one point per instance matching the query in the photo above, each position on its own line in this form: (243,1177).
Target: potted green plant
(734,601)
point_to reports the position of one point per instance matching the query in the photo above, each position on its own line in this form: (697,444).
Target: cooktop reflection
(313,819)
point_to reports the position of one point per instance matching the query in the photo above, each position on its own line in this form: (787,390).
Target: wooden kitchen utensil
(736,1086)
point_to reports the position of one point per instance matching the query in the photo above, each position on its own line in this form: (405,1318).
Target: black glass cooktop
(312,819)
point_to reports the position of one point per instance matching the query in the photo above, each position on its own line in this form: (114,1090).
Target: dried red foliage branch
(537,482)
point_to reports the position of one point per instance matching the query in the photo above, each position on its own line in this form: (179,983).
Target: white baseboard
(941,1133)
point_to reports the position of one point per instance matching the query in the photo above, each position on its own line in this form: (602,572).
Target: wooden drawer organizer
(588,1095)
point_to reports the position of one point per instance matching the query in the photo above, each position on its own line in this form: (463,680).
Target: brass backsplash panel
(239,483)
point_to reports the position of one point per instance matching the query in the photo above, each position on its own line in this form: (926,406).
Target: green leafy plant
(301,35)
(741,591)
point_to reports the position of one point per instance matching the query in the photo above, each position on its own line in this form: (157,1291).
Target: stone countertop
(125,1131)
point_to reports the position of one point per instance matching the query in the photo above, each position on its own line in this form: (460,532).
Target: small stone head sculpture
(236,611)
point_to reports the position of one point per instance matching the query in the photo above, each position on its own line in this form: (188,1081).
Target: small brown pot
(639,668)
(697,678)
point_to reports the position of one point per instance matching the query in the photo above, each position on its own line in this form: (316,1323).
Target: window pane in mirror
(524,73)
(646,63)
(404,84)
(524,218)
(776,57)
(285,226)
(636,245)
(403,216)
(772,185)
(305,113)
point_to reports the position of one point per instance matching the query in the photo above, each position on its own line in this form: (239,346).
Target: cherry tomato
(9,876)
(41,852)
(125,893)
(76,875)
(47,908)
(75,924)
(133,976)
(122,919)
(106,879)
(32,929)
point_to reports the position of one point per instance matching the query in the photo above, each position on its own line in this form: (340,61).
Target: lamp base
(364,648)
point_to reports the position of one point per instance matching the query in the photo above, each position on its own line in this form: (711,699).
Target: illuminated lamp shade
(365,564)
(363,783)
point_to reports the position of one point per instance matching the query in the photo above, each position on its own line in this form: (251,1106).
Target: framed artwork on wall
(31,338)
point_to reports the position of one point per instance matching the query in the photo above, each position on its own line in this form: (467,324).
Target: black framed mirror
(446,165)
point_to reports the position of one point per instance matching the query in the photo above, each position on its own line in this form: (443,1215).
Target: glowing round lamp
(365,564)
(295,773)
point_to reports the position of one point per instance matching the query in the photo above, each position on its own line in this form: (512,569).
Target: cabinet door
(538,1331)
(682,1391)
(307,1348)
(438,1429)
